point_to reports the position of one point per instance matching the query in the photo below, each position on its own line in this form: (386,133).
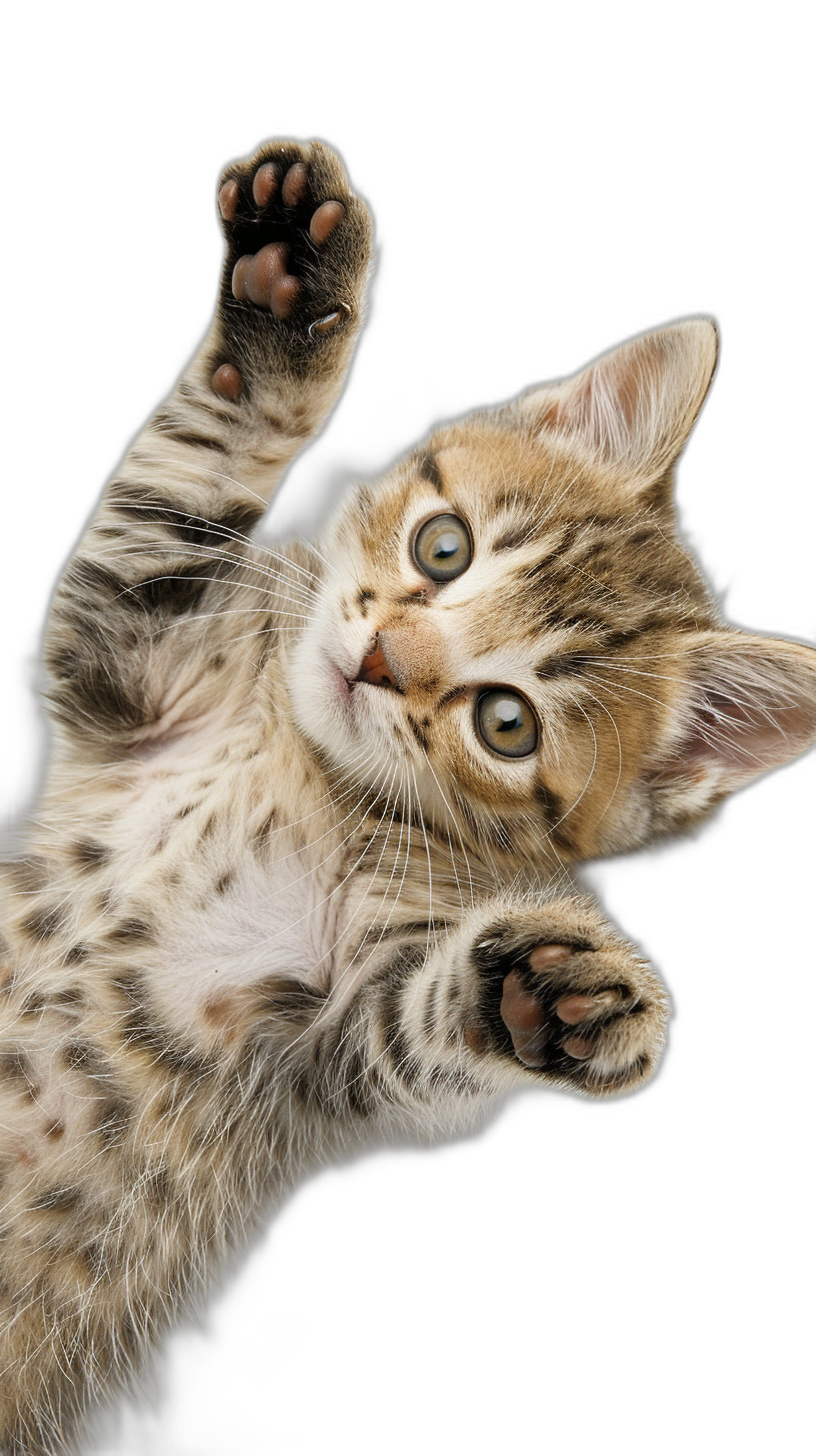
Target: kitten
(302,870)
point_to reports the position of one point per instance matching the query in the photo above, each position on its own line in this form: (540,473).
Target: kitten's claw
(331,321)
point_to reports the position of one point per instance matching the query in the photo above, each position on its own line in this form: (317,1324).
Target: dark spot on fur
(165,424)
(513,537)
(560,664)
(261,834)
(15,1067)
(155,509)
(428,468)
(33,1005)
(223,883)
(418,731)
(275,422)
(82,1056)
(89,855)
(68,996)
(173,592)
(57,1200)
(549,803)
(44,923)
(130,931)
(593,552)
(284,999)
(77,954)
(90,691)
(113,1118)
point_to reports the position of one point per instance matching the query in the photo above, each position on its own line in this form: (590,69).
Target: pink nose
(375,669)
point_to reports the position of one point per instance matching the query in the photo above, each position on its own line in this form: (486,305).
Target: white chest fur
(240,872)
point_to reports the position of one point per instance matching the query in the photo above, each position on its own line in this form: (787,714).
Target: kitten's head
(511,635)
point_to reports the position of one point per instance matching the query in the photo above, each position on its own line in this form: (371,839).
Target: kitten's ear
(749,705)
(636,405)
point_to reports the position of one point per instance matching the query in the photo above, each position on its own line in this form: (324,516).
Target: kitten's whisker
(334,992)
(303,849)
(602,704)
(455,821)
(196,468)
(624,687)
(428,854)
(251,540)
(340,990)
(286,930)
(232,612)
(133,550)
(574,806)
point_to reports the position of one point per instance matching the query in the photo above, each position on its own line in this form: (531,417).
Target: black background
(574,1239)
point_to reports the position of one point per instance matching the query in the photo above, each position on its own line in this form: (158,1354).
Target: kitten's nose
(375,668)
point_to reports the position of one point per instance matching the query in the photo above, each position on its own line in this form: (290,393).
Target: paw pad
(261,278)
(571,1014)
(265,184)
(278,215)
(227,382)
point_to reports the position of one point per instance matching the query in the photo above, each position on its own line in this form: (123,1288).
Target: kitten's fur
(280,894)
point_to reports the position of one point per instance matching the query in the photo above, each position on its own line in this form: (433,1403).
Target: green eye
(442,548)
(506,723)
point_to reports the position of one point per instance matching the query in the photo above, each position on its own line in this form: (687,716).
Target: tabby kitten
(302,869)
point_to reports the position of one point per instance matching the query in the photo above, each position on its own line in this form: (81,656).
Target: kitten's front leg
(166,564)
(518,993)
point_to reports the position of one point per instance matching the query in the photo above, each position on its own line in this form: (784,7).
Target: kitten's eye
(442,548)
(506,723)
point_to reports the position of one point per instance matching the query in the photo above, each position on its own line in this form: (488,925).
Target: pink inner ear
(746,737)
(732,733)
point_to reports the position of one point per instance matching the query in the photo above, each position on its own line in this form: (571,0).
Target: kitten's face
(510,633)
(565,596)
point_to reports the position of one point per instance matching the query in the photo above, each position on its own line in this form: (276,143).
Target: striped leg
(169,540)
(517,993)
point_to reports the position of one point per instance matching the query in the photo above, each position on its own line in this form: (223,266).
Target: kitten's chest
(246,877)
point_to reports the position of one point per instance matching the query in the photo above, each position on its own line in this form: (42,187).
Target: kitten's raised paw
(562,994)
(584,1016)
(299,240)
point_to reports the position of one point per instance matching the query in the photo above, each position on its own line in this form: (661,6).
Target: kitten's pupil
(506,723)
(442,548)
